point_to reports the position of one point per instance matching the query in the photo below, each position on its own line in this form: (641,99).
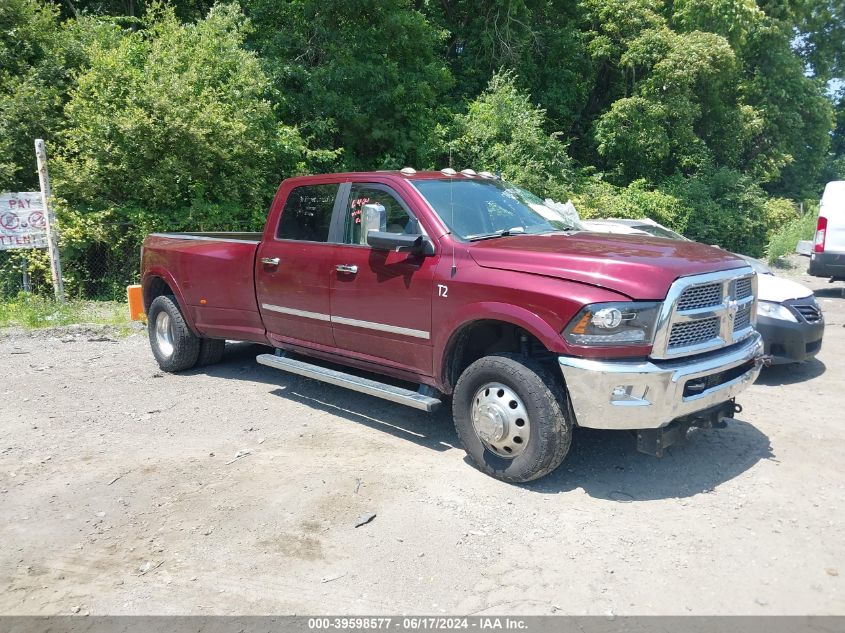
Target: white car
(788,316)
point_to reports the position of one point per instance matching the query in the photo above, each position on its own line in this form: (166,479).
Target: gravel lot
(119,495)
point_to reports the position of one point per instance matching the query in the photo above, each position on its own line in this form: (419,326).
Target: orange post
(136,302)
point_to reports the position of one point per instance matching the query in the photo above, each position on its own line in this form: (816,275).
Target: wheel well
(482,338)
(156,288)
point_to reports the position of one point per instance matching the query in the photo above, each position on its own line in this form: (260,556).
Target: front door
(381,300)
(293,270)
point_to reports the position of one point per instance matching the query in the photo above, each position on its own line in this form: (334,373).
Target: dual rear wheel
(174,345)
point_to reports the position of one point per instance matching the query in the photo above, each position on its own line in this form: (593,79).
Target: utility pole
(50,219)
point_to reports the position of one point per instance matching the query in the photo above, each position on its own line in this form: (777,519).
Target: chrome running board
(409,398)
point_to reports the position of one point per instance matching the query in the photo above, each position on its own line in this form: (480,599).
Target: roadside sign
(23,221)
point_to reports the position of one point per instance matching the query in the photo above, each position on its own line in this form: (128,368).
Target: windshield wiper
(567,230)
(515,230)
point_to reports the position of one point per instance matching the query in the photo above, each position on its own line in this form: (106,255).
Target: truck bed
(216,274)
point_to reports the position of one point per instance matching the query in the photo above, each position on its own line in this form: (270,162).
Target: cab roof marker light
(408,171)
(486,174)
(448,171)
(469,172)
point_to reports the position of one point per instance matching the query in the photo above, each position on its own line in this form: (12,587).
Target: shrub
(725,208)
(503,131)
(784,240)
(171,114)
(779,212)
(599,199)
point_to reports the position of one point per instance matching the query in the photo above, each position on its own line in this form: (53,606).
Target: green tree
(539,40)
(362,75)
(817,29)
(835,168)
(173,115)
(725,208)
(503,131)
(187,10)
(684,115)
(31,86)
(790,147)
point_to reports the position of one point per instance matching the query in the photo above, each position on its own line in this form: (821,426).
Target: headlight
(624,323)
(775,311)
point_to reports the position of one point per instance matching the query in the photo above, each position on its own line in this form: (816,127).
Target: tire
(174,346)
(211,351)
(526,451)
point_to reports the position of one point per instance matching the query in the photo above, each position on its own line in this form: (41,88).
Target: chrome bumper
(650,394)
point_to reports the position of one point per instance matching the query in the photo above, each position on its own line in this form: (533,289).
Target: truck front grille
(703,296)
(743,288)
(693,332)
(705,312)
(742,319)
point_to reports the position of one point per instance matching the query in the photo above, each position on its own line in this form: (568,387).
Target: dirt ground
(120,493)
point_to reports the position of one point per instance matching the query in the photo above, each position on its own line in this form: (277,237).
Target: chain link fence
(93,270)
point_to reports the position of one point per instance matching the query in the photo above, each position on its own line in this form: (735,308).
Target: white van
(828,256)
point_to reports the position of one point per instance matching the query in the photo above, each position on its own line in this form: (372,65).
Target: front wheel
(510,416)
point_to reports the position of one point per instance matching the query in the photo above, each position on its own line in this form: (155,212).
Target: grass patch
(786,238)
(32,312)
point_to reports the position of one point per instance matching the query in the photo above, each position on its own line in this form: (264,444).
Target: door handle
(270,261)
(342,268)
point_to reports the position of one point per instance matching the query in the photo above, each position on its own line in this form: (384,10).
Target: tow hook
(655,441)
(763,361)
(727,413)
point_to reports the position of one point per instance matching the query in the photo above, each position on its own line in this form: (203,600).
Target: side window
(395,220)
(308,213)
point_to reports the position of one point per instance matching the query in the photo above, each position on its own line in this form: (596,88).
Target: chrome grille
(742,319)
(743,288)
(693,332)
(705,312)
(703,296)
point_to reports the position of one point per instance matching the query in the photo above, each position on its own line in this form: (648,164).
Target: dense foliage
(714,117)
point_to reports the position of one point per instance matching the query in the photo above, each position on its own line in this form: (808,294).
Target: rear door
(294,268)
(381,300)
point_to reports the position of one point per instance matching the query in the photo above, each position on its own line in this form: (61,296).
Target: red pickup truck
(461,285)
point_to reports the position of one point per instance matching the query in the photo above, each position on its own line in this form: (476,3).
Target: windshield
(480,209)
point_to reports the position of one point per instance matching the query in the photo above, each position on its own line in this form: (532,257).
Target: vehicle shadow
(777,375)
(605,464)
(422,428)
(394,419)
(833,292)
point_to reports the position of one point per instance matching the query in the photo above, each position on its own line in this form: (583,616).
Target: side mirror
(401,243)
(375,217)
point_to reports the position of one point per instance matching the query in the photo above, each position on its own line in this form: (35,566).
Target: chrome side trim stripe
(370,325)
(381,327)
(319,316)
(205,238)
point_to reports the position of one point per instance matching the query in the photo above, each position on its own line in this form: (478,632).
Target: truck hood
(639,267)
